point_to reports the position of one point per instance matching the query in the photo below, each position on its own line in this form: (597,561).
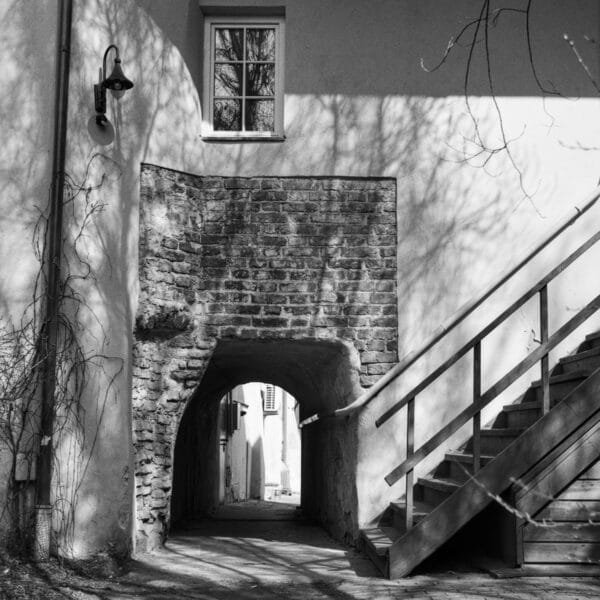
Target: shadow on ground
(271,554)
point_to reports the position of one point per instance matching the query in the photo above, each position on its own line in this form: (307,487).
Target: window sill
(242,138)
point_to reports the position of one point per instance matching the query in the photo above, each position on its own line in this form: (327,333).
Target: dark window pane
(229,44)
(228,80)
(260,44)
(227,115)
(260,115)
(260,80)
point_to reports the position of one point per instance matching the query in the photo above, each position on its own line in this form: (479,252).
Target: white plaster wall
(28,41)
(272,446)
(293,445)
(27,67)
(357,103)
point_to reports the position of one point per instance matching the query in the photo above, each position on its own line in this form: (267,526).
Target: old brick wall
(252,259)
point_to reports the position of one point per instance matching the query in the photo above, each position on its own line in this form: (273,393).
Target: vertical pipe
(410,447)
(545,362)
(53,261)
(477,416)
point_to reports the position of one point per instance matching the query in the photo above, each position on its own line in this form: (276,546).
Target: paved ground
(233,558)
(264,551)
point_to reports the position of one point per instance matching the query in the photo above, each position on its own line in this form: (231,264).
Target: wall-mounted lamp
(116,82)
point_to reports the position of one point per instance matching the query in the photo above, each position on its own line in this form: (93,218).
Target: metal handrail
(455,320)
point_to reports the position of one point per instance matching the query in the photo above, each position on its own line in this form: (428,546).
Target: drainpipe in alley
(43,508)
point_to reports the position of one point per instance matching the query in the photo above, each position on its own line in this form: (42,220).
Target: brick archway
(302,269)
(319,375)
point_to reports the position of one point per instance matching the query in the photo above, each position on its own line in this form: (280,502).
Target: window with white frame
(243,78)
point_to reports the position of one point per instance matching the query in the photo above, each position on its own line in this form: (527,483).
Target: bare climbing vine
(23,351)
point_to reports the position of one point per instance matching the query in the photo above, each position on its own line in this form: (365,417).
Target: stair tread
(420,509)
(466,457)
(448,489)
(503,431)
(529,405)
(380,538)
(579,374)
(439,483)
(580,355)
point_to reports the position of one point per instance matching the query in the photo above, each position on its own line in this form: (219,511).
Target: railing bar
(489,328)
(410,503)
(545,362)
(410,446)
(412,357)
(433,442)
(502,384)
(423,385)
(477,415)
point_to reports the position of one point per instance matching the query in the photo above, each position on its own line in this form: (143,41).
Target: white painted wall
(27,67)
(357,103)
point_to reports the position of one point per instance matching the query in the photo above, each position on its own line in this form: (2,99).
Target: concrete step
(433,491)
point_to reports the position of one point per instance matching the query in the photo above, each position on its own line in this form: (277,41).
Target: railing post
(476,416)
(545,359)
(410,447)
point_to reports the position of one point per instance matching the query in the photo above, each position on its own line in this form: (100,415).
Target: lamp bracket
(100,98)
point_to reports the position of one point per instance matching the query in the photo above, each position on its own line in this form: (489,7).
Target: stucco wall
(28,42)
(357,103)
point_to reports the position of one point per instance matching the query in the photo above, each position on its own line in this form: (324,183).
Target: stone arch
(321,375)
(286,280)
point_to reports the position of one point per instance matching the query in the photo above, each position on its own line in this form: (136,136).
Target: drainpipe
(43,509)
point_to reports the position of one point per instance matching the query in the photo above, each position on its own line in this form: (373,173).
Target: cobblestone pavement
(232,558)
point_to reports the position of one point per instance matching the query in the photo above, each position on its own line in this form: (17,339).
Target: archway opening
(312,376)
(260,446)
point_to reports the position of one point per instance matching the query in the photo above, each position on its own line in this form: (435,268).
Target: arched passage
(320,375)
(285,280)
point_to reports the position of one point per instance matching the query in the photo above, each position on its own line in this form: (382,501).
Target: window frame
(210,24)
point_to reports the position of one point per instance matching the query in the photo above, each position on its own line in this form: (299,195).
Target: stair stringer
(513,462)
(559,469)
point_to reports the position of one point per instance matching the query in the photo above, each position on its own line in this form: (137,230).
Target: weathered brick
(254,259)
(306,183)
(383,298)
(181,267)
(241,183)
(269,322)
(271,184)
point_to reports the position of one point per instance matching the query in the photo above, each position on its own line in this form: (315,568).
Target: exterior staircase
(533,451)
(518,439)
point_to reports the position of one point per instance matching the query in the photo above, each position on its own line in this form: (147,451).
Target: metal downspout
(43,508)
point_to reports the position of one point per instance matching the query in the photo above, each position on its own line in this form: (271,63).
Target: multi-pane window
(243,94)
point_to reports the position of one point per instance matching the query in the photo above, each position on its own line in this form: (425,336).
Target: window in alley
(243,78)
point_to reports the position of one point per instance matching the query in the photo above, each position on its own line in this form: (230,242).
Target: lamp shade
(116,80)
